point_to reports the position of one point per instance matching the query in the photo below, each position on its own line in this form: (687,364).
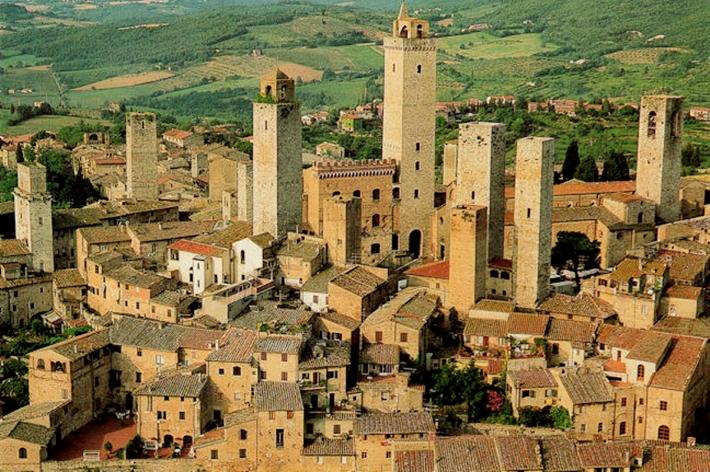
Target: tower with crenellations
(534,176)
(659,154)
(277,202)
(409,125)
(33,214)
(141,156)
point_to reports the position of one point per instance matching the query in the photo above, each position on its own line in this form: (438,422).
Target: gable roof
(394,423)
(176,385)
(532,378)
(277,396)
(357,280)
(523,323)
(27,432)
(584,386)
(435,270)
(570,330)
(460,453)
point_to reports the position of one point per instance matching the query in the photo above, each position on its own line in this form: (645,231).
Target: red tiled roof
(521,323)
(581,188)
(177,133)
(436,270)
(196,248)
(501,263)
(414,461)
(680,363)
(109,161)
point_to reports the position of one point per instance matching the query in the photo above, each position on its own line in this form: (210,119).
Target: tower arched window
(404,32)
(375,220)
(664,433)
(420,31)
(622,428)
(22,453)
(651,130)
(640,372)
(494,274)
(356,193)
(40,364)
(376,194)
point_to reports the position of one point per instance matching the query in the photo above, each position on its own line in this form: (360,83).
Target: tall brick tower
(142,156)
(409,124)
(659,154)
(33,214)
(278,176)
(467,260)
(533,220)
(480,176)
(342,229)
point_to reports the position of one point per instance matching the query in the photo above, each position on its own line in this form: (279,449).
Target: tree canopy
(587,170)
(571,163)
(574,250)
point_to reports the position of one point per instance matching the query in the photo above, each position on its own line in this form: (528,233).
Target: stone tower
(278,177)
(33,214)
(659,154)
(480,176)
(409,125)
(342,229)
(245,190)
(467,259)
(141,156)
(533,220)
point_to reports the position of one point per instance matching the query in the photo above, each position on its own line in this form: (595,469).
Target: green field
(45,123)
(484,45)
(40,81)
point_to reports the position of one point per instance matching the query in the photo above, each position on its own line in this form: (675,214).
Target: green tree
(19,155)
(616,167)
(574,249)
(691,156)
(454,386)
(587,170)
(535,417)
(571,163)
(560,417)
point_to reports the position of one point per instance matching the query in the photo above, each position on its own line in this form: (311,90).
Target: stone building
(533,220)
(409,125)
(342,229)
(33,215)
(277,157)
(467,263)
(141,156)
(659,154)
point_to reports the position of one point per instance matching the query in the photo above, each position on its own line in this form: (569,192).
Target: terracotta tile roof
(176,385)
(412,307)
(75,348)
(129,275)
(677,459)
(532,378)
(501,263)
(684,291)
(305,250)
(394,423)
(569,330)
(684,326)
(170,230)
(486,327)
(150,334)
(319,282)
(34,410)
(68,278)
(618,336)
(686,267)
(13,247)
(322,354)
(584,304)
(72,218)
(277,396)
(262,240)
(382,354)
(104,234)
(651,347)
(458,454)
(330,447)
(604,455)
(494,305)
(358,280)
(576,187)
(435,270)
(236,345)
(194,247)
(414,461)
(519,453)
(266,313)
(630,268)
(680,363)
(522,323)
(585,386)
(238,417)
(224,238)
(342,320)
(109,161)
(279,344)
(27,432)
(177,133)
(625,198)
(559,454)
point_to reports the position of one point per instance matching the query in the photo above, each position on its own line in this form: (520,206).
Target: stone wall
(142,156)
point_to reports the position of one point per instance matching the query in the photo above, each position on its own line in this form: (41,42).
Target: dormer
(277,87)
(407,27)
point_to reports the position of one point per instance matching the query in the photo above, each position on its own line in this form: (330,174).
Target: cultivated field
(644,55)
(482,45)
(128,80)
(45,122)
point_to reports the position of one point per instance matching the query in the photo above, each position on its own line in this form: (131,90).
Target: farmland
(44,122)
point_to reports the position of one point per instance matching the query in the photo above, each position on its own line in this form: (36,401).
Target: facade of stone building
(408,126)
(277,157)
(659,154)
(342,229)
(141,156)
(467,263)
(533,220)
(33,215)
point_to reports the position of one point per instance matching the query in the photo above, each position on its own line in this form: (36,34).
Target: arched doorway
(168,440)
(129,401)
(415,243)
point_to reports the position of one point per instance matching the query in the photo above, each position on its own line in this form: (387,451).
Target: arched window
(395,192)
(404,32)
(375,249)
(336,193)
(651,130)
(376,194)
(22,453)
(420,31)
(622,428)
(504,275)
(375,220)
(494,274)
(664,433)
(268,90)
(676,122)
(356,193)
(640,372)
(243,434)
(40,364)
(242,257)
(416,193)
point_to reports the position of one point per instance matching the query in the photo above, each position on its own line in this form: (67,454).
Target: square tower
(480,176)
(33,214)
(467,260)
(658,163)
(141,156)
(534,176)
(409,125)
(341,229)
(245,190)
(278,177)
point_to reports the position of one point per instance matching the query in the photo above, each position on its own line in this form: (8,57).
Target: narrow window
(622,428)
(529,212)
(418,147)
(375,220)
(417,166)
(279,438)
(651,131)
(419,68)
(22,453)
(376,194)
(640,372)
(416,193)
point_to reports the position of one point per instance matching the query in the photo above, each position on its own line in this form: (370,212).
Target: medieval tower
(534,176)
(480,176)
(33,214)
(278,178)
(141,156)
(659,154)
(342,229)
(409,125)
(467,260)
